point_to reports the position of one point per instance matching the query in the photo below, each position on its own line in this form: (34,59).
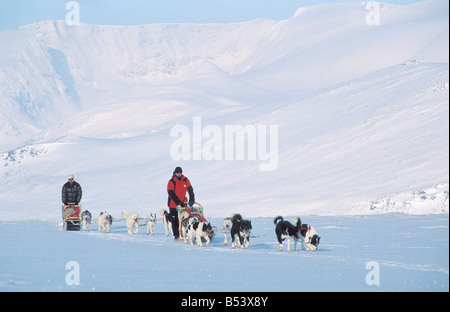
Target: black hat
(178,170)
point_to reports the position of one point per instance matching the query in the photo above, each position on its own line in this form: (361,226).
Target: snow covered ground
(410,252)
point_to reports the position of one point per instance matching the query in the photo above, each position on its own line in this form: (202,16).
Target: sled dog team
(194,229)
(239,229)
(105,220)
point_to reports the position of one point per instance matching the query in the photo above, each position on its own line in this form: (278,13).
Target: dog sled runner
(195,211)
(71,216)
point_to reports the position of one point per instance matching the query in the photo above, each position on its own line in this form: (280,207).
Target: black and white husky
(192,228)
(186,220)
(309,237)
(167,223)
(198,230)
(86,218)
(151,223)
(240,232)
(286,230)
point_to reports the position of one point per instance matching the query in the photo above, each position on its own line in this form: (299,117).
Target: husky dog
(186,220)
(240,232)
(132,222)
(286,230)
(310,238)
(198,230)
(151,222)
(104,222)
(86,218)
(167,223)
(226,227)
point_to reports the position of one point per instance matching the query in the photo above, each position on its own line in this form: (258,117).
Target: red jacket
(177,191)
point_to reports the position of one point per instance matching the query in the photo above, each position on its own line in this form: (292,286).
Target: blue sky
(16,13)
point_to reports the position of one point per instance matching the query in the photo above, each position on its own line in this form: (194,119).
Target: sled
(195,211)
(71,216)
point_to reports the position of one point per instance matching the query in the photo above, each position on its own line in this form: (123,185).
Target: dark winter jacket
(177,191)
(71,193)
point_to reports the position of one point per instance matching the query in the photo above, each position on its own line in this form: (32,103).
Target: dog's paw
(280,247)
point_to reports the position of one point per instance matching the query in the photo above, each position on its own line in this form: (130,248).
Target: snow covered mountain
(361,113)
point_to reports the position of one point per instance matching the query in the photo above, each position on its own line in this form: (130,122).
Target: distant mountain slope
(361,112)
(49,70)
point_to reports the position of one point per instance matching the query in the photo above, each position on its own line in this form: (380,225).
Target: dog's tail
(298,223)
(124,215)
(279,218)
(236,218)
(163,212)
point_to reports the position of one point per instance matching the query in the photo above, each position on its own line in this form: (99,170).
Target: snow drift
(362,112)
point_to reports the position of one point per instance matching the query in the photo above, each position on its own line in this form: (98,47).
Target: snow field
(411,252)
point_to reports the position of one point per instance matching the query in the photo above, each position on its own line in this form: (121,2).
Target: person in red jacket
(176,188)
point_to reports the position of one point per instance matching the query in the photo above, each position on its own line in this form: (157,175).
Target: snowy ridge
(362,112)
(322,46)
(433,200)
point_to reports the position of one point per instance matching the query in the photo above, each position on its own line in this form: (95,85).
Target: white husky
(226,227)
(132,222)
(104,222)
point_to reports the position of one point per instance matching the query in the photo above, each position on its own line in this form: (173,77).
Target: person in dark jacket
(176,188)
(71,192)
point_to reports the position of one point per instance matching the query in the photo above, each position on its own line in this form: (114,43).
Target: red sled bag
(71,217)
